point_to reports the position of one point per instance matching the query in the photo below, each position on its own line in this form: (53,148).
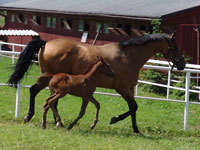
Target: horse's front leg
(129,97)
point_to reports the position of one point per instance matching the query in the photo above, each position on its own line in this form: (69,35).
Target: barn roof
(126,8)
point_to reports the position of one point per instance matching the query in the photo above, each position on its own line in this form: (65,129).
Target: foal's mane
(142,40)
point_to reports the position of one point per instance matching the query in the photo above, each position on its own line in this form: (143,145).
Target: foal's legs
(129,97)
(97,105)
(50,103)
(55,107)
(82,112)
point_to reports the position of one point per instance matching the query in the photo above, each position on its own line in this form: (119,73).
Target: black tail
(25,60)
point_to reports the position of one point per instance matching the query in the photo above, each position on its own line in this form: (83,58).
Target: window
(143,28)
(66,24)
(124,29)
(20,18)
(105,28)
(127,29)
(119,25)
(36,20)
(53,23)
(48,22)
(86,26)
(12,17)
(98,27)
(25,19)
(80,25)
(83,26)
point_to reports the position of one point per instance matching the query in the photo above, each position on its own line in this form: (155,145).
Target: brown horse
(126,59)
(82,85)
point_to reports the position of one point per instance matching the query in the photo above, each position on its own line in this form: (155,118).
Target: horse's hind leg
(34,90)
(97,105)
(82,112)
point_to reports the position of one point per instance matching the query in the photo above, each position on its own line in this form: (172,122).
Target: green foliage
(178,94)
(155,77)
(156,25)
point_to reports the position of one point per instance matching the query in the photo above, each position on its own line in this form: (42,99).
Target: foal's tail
(25,60)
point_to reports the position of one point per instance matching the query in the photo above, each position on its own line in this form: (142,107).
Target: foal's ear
(99,58)
(173,36)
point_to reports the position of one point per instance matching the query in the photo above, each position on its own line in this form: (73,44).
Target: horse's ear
(173,36)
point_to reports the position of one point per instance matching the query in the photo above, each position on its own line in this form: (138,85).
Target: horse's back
(65,55)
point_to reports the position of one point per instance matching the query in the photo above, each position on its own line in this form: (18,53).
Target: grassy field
(160,122)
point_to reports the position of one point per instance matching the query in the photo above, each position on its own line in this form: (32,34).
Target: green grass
(160,122)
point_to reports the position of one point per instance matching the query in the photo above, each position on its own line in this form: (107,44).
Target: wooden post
(198,61)
(197,31)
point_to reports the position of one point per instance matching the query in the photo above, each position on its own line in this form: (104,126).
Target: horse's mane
(142,40)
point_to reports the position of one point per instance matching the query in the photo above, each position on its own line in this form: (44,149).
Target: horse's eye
(177,59)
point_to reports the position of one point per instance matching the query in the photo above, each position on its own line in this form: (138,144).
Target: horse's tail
(25,60)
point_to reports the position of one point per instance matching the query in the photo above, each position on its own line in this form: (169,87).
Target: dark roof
(126,8)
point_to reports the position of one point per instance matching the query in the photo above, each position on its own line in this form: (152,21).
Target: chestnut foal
(82,85)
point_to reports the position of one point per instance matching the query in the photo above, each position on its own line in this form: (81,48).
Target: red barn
(119,20)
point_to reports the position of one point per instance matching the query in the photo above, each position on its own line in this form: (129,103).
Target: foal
(82,85)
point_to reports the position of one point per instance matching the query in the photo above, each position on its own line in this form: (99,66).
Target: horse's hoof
(113,120)
(69,127)
(26,119)
(92,126)
(59,124)
(137,132)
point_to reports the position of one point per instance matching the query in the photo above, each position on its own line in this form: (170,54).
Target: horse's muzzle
(180,63)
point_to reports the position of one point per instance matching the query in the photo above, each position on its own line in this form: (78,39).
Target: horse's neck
(143,54)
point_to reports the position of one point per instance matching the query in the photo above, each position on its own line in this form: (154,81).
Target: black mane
(145,39)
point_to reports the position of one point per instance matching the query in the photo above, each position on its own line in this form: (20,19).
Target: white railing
(190,68)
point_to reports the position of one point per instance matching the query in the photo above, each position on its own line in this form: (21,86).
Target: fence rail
(190,68)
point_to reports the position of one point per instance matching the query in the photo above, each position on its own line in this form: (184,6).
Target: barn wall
(58,32)
(184,23)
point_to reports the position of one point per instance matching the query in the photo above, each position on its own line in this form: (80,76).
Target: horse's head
(106,68)
(172,53)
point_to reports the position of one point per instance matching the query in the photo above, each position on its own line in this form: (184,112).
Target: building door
(189,41)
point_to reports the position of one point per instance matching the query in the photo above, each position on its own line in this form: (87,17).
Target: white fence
(190,68)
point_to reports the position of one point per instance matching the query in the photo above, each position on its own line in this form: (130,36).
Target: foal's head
(172,53)
(106,67)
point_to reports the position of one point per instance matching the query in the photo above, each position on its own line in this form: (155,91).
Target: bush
(155,77)
(181,94)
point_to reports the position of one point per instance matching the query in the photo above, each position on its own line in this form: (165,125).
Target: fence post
(136,90)
(168,83)
(187,96)
(0,50)
(17,100)
(13,56)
